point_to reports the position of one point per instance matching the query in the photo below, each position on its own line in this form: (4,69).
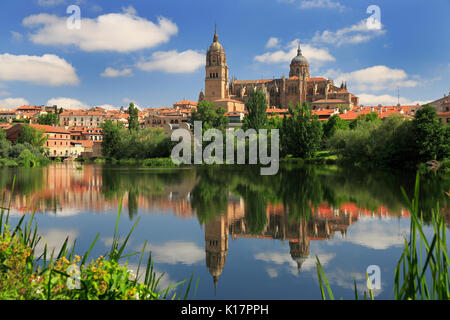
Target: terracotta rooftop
(49,129)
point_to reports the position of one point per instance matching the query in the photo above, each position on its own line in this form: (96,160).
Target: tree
(332,125)
(430,135)
(301,132)
(112,134)
(133,117)
(32,136)
(210,116)
(256,107)
(370,117)
(48,119)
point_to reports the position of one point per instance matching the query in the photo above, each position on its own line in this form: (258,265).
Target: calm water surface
(245,236)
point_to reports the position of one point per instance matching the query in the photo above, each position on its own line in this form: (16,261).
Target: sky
(153,52)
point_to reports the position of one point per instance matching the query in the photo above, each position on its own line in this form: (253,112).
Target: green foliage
(133,119)
(210,116)
(119,143)
(301,133)
(431,137)
(370,117)
(256,118)
(22,154)
(333,124)
(32,136)
(394,142)
(112,134)
(2,135)
(48,119)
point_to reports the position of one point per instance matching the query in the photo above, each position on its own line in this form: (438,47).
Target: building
(81,118)
(58,141)
(216,81)
(185,104)
(298,88)
(442,105)
(7,115)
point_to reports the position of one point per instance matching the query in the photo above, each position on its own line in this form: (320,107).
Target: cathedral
(298,88)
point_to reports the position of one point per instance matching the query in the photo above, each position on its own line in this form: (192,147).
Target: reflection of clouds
(165,281)
(285,260)
(345,279)
(108,241)
(378,234)
(174,252)
(54,238)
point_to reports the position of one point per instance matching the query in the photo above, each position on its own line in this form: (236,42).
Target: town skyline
(42,64)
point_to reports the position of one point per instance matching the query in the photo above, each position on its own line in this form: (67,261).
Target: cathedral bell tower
(216,80)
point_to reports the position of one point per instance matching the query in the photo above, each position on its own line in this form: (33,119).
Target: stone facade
(299,87)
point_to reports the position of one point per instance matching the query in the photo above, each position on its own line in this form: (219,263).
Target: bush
(5,163)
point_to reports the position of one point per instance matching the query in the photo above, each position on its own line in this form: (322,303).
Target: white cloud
(385,99)
(378,234)
(173,61)
(315,56)
(17,36)
(284,258)
(4,93)
(356,33)
(13,102)
(346,279)
(108,107)
(114,73)
(273,43)
(54,238)
(130,10)
(375,78)
(67,103)
(174,252)
(127,101)
(48,69)
(120,32)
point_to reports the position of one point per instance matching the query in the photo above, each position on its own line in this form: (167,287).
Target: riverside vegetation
(27,152)
(66,276)
(422,272)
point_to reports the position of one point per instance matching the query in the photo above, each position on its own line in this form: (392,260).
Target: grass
(422,272)
(62,275)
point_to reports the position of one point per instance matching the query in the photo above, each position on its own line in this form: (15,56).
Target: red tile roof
(49,129)
(317,79)
(186,102)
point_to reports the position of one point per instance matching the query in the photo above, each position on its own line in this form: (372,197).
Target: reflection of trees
(28,180)
(118,182)
(303,188)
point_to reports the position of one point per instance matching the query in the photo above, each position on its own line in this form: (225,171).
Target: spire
(216,280)
(299,50)
(216,37)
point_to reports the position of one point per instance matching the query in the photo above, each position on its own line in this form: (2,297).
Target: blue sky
(152,52)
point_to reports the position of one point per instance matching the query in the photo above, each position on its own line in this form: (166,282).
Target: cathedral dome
(300,59)
(216,46)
